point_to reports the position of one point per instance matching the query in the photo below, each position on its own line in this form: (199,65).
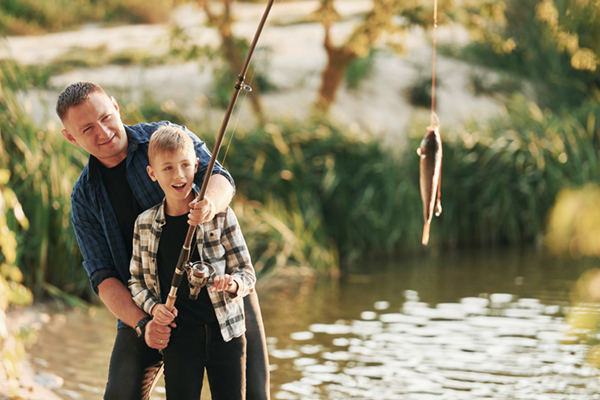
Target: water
(466,325)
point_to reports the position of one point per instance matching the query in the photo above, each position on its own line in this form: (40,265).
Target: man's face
(96,126)
(175,174)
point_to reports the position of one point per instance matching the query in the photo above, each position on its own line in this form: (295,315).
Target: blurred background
(502,303)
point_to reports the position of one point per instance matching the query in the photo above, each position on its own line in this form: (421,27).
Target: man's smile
(108,141)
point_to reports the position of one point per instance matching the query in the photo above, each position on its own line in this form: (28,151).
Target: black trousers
(134,367)
(192,349)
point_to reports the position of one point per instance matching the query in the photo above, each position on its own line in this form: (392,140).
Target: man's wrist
(140,327)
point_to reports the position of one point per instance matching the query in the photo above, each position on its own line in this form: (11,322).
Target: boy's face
(175,175)
(96,126)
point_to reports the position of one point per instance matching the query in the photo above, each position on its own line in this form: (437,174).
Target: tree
(232,49)
(385,22)
(553,43)
(377,22)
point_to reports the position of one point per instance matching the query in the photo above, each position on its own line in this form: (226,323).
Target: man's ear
(69,137)
(115,103)
(151,173)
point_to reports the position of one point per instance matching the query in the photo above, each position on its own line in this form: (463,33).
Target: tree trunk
(338,60)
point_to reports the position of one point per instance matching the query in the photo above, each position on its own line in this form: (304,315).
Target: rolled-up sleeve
(141,294)
(237,256)
(94,247)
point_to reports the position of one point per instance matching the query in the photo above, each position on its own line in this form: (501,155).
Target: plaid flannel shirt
(94,221)
(221,244)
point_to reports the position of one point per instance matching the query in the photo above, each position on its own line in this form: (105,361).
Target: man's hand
(157,336)
(224,283)
(201,211)
(162,316)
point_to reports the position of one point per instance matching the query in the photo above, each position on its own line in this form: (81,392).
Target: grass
(312,193)
(34,17)
(38,76)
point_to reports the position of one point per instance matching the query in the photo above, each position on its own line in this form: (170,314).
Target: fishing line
(259,63)
(434,117)
(240,107)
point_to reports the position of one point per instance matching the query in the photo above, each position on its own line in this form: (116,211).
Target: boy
(210,330)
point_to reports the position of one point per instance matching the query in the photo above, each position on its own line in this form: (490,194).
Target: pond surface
(465,325)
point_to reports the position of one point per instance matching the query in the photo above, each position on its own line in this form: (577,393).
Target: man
(111,192)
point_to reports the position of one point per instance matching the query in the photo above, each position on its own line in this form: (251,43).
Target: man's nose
(105,130)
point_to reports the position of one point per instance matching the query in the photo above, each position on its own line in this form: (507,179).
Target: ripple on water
(398,318)
(302,335)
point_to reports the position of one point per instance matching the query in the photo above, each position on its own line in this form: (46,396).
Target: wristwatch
(140,328)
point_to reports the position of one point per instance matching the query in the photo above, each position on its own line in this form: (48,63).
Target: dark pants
(193,348)
(134,367)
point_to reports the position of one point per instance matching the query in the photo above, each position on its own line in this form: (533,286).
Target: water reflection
(469,325)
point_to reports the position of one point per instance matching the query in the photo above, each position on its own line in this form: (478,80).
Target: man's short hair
(75,94)
(169,139)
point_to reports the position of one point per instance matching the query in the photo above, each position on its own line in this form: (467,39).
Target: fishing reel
(199,273)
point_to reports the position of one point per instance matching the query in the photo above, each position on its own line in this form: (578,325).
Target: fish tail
(425,234)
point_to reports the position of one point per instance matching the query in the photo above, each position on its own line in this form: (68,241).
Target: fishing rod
(184,256)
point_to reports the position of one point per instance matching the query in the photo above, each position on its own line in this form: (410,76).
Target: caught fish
(430,176)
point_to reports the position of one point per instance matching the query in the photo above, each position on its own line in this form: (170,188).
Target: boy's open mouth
(179,186)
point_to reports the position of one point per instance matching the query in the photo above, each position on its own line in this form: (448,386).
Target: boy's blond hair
(169,139)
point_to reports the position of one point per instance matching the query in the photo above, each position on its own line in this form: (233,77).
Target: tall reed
(314,193)
(44,166)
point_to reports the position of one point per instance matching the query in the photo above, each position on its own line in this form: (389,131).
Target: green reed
(319,194)
(27,17)
(499,179)
(43,168)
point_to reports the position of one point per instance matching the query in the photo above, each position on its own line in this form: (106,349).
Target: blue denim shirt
(96,226)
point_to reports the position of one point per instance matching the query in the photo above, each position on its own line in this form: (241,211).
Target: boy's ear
(151,173)
(197,163)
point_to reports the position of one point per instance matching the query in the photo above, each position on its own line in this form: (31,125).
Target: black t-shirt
(123,201)
(191,312)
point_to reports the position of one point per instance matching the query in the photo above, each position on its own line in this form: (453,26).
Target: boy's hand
(224,283)
(162,316)
(201,211)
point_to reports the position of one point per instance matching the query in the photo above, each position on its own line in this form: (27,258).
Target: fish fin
(425,234)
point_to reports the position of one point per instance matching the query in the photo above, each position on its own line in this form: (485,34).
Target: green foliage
(324,174)
(360,69)
(486,84)
(418,93)
(500,180)
(181,45)
(552,43)
(26,17)
(44,167)
(29,76)
(225,79)
(150,110)
(12,291)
